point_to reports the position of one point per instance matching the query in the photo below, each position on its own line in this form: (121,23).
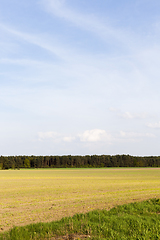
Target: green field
(133,221)
(42,195)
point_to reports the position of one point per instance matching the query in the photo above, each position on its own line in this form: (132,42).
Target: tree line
(68,161)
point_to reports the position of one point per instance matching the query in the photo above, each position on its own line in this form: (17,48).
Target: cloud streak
(88,22)
(129,115)
(95,136)
(42,40)
(154,125)
(63,68)
(134,135)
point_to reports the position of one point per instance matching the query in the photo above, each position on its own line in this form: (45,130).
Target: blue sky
(79,77)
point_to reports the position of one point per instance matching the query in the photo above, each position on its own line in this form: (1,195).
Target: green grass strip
(140,221)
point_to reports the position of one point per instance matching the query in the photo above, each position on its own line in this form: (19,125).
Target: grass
(139,221)
(44,195)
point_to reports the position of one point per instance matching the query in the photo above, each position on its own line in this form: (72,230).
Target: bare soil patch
(31,196)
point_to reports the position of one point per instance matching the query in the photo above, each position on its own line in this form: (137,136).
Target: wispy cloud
(129,115)
(134,136)
(62,67)
(48,135)
(69,139)
(154,125)
(44,41)
(25,62)
(94,135)
(87,22)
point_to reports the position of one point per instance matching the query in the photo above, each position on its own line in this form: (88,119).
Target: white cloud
(154,125)
(64,77)
(93,135)
(129,115)
(68,139)
(134,136)
(55,137)
(48,135)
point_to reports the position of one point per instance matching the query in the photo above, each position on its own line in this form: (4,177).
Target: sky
(80,77)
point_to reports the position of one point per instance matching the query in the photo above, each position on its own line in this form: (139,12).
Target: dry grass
(28,196)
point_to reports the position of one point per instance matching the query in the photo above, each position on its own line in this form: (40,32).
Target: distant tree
(57,161)
(1,166)
(46,161)
(27,163)
(42,161)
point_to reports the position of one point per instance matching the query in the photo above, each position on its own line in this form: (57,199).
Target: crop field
(42,195)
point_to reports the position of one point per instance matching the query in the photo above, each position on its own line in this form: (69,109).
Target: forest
(68,161)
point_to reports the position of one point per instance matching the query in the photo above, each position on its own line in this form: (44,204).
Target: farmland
(42,195)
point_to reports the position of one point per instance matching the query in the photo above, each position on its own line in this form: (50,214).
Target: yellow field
(28,196)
